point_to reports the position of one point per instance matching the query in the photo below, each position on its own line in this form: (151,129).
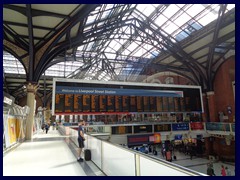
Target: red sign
(197,126)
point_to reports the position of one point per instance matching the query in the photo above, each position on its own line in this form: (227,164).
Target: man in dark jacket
(81,139)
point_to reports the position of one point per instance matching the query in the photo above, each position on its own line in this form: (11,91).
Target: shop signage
(197,126)
(180,127)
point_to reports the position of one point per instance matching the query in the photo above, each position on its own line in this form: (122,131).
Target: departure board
(139,104)
(171,104)
(122,130)
(176,104)
(152,101)
(94,103)
(59,102)
(77,103)
(110,103)
(68,103)
(146,104)
(165,104)
(86,103)
(96,97)
(187,103)
(133,107)
(182,104)
(159,104)
(162,127)
(118,103)
(102,103)
(125,103)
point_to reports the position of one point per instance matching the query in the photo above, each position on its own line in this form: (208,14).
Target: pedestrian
(168,156)
(81,139)
(163,152)
(57,126)
(228,171)
(210,170)
(223,171)
(46,127)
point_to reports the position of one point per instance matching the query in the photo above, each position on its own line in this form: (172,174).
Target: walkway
(47,155)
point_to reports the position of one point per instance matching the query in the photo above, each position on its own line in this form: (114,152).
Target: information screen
(68,103)
(102,103)
(96,97)
(94,103)
(110,103)
(59,102)
(118,103)
(77,103)
(133,106)
(86,103)
(139,104)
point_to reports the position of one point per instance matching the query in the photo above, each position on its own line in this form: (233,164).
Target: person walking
(210,170)
(223,171)
(46,127)
(228,171)
(81,139)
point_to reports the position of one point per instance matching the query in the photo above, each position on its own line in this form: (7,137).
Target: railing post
(137,165)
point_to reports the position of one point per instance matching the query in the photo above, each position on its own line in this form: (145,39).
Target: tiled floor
(47,155)
(198,164)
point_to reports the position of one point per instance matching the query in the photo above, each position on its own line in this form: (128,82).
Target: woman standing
(223,171)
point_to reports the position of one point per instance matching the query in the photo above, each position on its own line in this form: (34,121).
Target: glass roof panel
(110,55)
(182,19)
(170,28)
(146,9)
(140,52)
(171,10)
(12,65)
(161,20)
(132,46)
(195,9)
(210,15)
(91,18)
(207,19)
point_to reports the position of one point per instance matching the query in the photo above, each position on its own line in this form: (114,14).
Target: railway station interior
(155,84)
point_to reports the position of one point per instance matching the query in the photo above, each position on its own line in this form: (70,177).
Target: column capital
(32,87)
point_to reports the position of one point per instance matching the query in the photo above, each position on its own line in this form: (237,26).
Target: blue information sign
(180,127)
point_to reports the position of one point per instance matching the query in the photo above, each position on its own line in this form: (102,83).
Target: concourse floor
(47,155)
(197,164)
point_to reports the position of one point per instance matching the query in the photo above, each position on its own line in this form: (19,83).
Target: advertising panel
(143,139)
(197,126)
(12,130)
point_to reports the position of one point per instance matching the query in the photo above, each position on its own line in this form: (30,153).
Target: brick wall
(223,151)
(223,90)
